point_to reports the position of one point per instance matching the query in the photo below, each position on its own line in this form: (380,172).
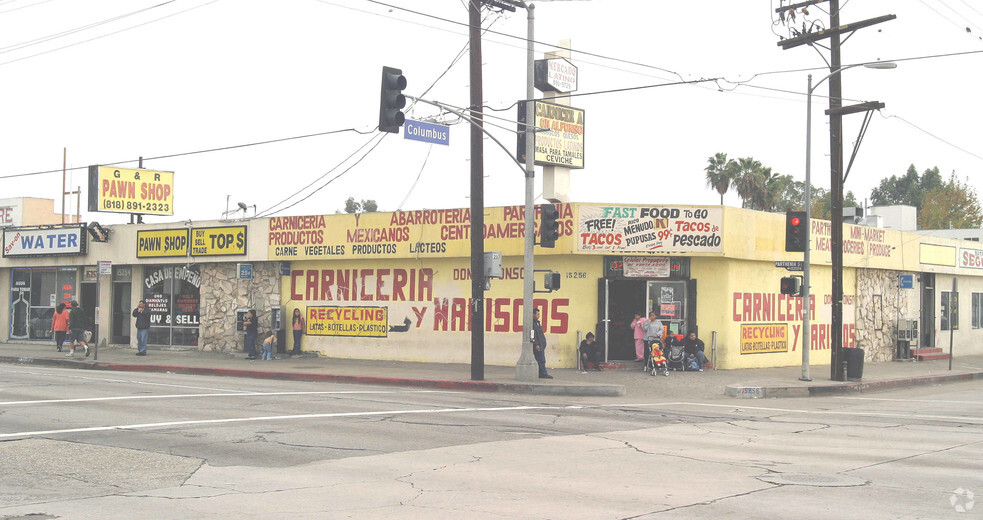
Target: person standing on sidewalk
(142,314)
(298,325)
(76,328)
(539,345)
(653,332)
(59,324)
(636,325)
(252,329)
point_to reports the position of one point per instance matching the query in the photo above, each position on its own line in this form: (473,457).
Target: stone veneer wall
(222,293)
(877,328)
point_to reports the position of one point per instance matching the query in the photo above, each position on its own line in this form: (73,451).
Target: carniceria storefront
(398,285)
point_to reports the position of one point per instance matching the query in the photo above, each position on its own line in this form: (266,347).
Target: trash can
(854,363)
(904,350)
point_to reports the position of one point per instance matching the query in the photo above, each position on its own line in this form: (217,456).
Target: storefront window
(173,295)
(34,294)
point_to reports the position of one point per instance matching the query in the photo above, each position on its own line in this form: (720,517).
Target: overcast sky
(115,80)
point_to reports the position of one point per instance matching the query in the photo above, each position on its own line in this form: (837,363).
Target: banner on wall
(653,230)
(760,338)
(366,322)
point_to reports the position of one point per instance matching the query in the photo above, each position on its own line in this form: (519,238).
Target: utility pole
(835,112)
(836,196)
(477,198)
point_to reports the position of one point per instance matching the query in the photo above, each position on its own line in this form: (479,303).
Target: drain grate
(808,479)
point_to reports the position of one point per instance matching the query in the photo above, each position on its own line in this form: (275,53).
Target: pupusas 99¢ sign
(122,190)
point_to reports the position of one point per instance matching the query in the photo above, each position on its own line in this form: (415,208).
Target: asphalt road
(77,444)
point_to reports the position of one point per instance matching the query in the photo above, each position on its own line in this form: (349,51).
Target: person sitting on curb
(694,351)
(589,353)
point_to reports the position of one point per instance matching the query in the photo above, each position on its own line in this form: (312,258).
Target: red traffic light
(794,221)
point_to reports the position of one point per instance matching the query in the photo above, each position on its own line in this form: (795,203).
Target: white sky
(200,74)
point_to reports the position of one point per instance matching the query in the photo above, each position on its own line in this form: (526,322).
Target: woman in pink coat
(636,325)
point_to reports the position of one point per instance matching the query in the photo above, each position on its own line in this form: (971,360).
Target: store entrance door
(89,299)
(669,301)
(624,299)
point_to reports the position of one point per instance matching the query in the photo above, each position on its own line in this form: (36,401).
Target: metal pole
(836,199)
(64,168)
(526,369)
(953,301)
(806,307)
(477,200)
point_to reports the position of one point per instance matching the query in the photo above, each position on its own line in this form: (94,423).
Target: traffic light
(549,228)
(795,231)
(552,281)
(791,285)
(391,100)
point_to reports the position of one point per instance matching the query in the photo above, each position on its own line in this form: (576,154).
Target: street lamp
(806,307)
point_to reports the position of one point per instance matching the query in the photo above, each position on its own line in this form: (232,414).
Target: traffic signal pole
(526,369)
(477,199)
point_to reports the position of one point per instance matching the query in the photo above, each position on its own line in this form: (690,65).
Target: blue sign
(906,281)
(427,132)
(245,271)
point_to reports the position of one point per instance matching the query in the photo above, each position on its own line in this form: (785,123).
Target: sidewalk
(747,383)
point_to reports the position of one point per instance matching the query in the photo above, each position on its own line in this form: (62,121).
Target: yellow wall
(430,321)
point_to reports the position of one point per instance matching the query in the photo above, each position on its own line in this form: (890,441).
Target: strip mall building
(397,286)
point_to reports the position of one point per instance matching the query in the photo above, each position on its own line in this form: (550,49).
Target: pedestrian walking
(59,325)
(299,325)
(77,322)
(539,345)
(252,329)
(142,314)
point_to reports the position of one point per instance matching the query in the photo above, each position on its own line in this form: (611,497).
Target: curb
(751,391)
(596,390)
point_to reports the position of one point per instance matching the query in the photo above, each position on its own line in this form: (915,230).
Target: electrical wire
(182,154)
(22,7)
(422,167)
(108,34)
(926,132)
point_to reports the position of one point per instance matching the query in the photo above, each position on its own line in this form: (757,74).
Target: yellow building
(397,285)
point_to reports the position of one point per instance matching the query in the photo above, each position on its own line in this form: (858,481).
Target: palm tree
(719,174)
(749,181)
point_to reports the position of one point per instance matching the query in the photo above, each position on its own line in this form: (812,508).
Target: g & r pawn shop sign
(121,190)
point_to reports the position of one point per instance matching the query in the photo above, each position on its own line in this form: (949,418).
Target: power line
(111,33)
(182,154)
(926,132)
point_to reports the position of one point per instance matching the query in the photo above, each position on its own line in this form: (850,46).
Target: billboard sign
(162,243)
(650,229)
(559,135)
(122,190)
(555,75)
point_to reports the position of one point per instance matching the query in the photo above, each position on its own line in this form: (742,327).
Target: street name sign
(790,265)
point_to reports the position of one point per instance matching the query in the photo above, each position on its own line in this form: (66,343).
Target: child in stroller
(655,362)
(676,353)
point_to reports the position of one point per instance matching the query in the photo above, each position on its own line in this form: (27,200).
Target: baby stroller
(676,356)
(655,362)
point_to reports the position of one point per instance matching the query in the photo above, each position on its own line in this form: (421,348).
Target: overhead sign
(50,241)
(427,132)
(162,243)
(555,75)
(790,265)
(213,241)
(559,135)
(122,190)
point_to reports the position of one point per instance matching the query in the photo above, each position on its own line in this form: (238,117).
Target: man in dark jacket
(539,345)
(694,349)
(142,314)
(76,328)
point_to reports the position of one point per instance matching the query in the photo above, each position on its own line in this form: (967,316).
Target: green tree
(749,180)
(953,204)
(720,174)
(366,206)
(909,189)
